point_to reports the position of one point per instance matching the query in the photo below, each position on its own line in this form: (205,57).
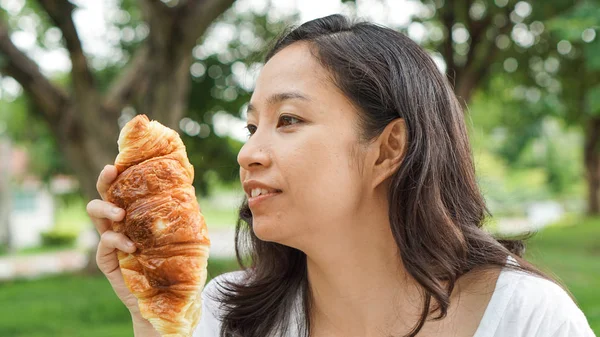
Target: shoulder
(212,311)
(528,305)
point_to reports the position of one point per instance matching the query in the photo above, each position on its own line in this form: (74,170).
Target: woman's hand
(102,214)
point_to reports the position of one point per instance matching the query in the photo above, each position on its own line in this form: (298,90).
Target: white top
(522,305)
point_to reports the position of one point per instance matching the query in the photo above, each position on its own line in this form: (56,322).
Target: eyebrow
(278,98)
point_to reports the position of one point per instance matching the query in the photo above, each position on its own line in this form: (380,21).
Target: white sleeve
(210,319)
(537,308)
(209,325)
(576,326)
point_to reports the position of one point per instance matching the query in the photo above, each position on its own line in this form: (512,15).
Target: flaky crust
(168,270)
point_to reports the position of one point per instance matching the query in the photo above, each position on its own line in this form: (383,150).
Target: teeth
(258,191)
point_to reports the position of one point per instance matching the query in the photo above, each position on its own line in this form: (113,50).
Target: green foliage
(217,91)
(508,190)
(71,216)
(511,110)
(570,24)
(592,54)
(580,68)
(27,130)
(593,100)
(58,238)
(523,149)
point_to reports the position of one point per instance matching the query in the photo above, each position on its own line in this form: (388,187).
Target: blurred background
(73,72)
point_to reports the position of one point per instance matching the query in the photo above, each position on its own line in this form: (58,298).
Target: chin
(264,230)
(271,231)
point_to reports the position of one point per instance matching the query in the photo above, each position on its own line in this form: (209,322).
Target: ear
(389,149)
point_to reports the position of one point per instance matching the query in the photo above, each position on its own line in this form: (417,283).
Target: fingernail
(116,210)
(129,243)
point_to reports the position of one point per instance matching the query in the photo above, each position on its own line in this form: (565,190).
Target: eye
(287,120)
(251,129)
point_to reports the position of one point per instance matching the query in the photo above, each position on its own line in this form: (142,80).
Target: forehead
(293,69)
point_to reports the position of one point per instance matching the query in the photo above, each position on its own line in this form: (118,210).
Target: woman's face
(302,154)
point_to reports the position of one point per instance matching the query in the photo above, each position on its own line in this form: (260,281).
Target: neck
(358,284)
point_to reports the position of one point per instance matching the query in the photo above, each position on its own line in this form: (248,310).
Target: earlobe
(392,145)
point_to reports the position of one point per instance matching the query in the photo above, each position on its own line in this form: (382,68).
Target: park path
(36,265)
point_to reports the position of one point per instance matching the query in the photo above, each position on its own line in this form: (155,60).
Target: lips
(262,191)
(259,193)
(255,188)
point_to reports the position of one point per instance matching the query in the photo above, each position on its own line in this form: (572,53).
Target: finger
(105,210)
(106,177)
(101,225)
(101,212)
(106,256)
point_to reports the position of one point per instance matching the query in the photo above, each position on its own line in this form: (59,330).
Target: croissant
(167,272)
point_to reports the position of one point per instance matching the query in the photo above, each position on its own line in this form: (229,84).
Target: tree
(222,83)
(556,77)
(535,51)
(574,33)
(155,82)
(474,35)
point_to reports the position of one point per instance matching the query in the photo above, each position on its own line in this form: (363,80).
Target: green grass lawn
(74,305)
(70,306)
(571,253)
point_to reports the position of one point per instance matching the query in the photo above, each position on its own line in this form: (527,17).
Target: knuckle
(106,236)
(91,207)
(107,208)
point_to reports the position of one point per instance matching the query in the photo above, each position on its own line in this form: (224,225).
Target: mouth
(257,192)
(260,196)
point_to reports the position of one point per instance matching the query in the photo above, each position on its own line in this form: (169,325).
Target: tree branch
(448,19)
(468,19)
(158,17)
(60,12)
(125,87)
(196,16)
(478,66)
(14,63)
(477,32)
(151,7)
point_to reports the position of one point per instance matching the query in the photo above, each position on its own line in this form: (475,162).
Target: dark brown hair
(436,208)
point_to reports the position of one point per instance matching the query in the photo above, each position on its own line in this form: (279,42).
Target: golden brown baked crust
(168,270)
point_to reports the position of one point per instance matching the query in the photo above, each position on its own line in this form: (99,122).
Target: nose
(254,154)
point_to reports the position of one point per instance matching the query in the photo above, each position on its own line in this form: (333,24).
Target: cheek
(327,182)
(322,189)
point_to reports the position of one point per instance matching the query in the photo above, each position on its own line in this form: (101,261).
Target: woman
(362,214)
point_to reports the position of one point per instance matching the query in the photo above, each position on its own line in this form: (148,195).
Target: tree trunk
(156,82)
(592,165)
(471,72)
(465,87)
